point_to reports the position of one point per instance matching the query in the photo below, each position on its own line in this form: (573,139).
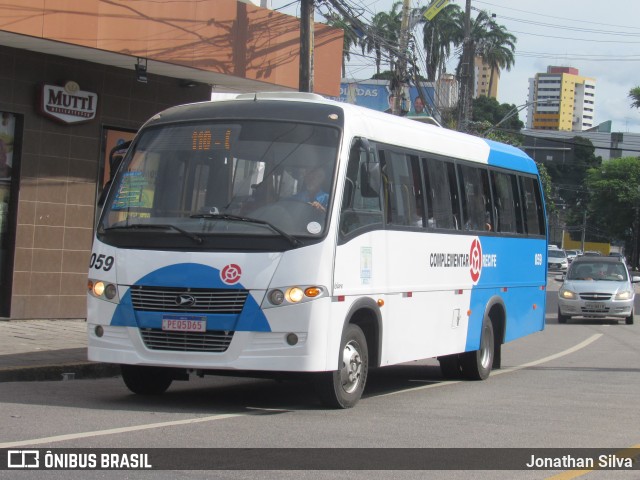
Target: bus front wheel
(477,365)
(146,380)
(343,388)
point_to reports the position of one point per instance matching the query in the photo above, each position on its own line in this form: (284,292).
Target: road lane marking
(213,418)
(631,452)
(563,353)
(113,431)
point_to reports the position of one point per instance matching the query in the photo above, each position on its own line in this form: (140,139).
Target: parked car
(597,287)
(557,260)
(592,253)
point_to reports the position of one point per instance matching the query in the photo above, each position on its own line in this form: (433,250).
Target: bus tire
(146,380)
(450,366)
(343,388)
(477,365)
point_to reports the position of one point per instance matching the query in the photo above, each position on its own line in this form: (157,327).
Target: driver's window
(361,205)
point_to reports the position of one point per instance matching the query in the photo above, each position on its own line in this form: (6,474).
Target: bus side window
(405,190)
(476,198)
(442,194)
(506,203)
(532,203)
(361,204)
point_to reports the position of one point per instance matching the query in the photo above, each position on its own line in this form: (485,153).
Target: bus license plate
(180,323)
(595,306)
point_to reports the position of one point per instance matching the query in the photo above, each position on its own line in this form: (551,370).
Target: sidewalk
(47,350)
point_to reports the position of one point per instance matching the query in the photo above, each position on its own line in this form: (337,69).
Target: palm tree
(439,34)
(372,41)
(383,35)
(634,95)
(492,42)
(350,37)
(497,50)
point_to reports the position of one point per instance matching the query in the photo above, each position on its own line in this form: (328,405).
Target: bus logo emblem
(475,258)
(231,274)
(185,300)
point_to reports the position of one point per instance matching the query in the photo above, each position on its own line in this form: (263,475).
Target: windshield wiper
(162,226)
(236,218)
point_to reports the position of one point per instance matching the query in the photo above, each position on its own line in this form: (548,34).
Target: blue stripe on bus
(507,156)
(524,300)
(190,275)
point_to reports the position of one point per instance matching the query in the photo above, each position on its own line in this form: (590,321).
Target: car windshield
(557,254)
(614,272)
(246,178)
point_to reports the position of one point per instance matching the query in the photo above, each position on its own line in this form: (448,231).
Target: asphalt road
(570,386)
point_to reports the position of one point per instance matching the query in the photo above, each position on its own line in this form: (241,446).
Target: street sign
(434,8)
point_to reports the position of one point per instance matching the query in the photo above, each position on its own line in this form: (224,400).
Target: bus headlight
(293,295)
(103,290)
(567,294)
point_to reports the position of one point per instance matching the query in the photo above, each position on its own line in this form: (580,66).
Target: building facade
(485,85)
(77,80)
(561,99)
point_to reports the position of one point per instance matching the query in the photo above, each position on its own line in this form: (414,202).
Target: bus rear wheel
(146,380)
(450,366)
(477,365)
(343,388)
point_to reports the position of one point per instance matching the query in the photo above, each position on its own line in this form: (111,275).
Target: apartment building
(484,84)
(561,99)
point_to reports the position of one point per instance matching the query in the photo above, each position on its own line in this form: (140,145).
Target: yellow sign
(434,8)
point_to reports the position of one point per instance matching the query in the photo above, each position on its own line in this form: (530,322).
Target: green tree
(373,40)
(350,37)
(634,95)
(383,34)
(440,34)
(569,178)
(488,109)
(615,198)
(497,50)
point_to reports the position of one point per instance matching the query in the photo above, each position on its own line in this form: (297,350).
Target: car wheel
(146,380)
(562,318)
(629,319)
(343,387)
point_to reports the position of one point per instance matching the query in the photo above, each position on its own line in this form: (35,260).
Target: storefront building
(78,79)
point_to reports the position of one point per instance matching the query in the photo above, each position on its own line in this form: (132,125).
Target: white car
(557,260)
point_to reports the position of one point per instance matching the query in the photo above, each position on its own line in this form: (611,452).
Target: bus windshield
(246,178)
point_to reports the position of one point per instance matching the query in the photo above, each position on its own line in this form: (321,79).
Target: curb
(70,371)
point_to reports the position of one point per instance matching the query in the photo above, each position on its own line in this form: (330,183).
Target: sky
(599,38)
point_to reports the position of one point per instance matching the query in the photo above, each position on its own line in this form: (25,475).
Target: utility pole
(466,77)
(401,64)
(306,46)
(584,229)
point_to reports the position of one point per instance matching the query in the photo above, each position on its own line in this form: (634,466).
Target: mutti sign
(68,104)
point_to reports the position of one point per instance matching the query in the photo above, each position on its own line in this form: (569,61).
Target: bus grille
(195,300)
(212,341)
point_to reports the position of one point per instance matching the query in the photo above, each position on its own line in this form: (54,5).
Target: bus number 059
(101,262)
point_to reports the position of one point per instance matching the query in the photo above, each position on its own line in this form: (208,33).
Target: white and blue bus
(289,233)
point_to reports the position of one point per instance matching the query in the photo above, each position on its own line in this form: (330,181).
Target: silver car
(596,287)
(557,260)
